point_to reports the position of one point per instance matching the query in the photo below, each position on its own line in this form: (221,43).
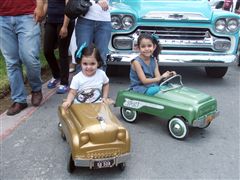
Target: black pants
(51,39)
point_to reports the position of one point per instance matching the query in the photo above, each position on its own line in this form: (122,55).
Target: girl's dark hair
(154,40)
(91,50)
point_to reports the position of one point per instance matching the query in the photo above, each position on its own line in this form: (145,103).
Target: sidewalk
(9,123)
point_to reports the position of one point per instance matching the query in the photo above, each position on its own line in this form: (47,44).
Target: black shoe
(36,98)
(16,108)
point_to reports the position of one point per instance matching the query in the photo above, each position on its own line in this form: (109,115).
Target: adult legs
(63,55)
(50,40)
(29,48)
(102,35)
(9,47)
(84,30)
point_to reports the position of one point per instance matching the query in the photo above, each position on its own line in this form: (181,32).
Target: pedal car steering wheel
(172,82)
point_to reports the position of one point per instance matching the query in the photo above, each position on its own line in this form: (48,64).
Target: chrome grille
(172,38)
(98,154)
(177,33)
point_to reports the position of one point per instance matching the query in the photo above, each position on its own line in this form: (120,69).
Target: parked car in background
(191,33)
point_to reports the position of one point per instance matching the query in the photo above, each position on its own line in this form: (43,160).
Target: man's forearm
(41,3)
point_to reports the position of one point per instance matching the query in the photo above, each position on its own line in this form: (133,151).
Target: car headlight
(122,22)
(220,25)
(227,25)
(232,25)
(127,22)
(116,22)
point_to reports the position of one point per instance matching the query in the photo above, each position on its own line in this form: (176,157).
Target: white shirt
(97,14)
(89,88)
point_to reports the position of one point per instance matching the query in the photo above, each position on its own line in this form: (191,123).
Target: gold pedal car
(96,137)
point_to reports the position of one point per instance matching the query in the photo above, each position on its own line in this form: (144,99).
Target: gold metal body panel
(94,132)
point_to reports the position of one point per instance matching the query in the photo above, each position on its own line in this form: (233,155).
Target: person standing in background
(20,45)
(237,7)
(95,27)
(71,52)
(58,30)
(227,5)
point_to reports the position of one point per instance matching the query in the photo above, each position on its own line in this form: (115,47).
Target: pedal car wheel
(62,133)
(128,115)
(122,166)
(63,136)
(178,128)
(71,165)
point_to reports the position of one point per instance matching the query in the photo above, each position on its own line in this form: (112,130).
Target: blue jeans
(20,44)
(97,32)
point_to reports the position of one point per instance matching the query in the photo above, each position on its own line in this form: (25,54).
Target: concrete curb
(9,123)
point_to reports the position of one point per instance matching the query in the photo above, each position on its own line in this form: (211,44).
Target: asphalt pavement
(32,148)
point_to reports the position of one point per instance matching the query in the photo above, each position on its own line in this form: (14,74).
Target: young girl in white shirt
(91,84)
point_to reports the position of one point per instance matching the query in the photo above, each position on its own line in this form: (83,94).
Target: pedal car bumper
(205,120)
(91,163)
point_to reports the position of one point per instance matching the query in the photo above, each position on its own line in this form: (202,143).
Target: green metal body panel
(185,102)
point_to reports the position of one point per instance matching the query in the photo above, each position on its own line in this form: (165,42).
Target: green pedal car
(179,105)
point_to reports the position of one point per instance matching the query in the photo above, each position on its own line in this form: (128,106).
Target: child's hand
(173,73)
(108,101)
(66,105)
(168,74)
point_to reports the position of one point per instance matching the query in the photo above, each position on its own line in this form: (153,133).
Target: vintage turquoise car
(181,106)
(191,33)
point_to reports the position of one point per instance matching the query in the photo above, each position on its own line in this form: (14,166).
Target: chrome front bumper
(204,121)
(178,59)
(90,162)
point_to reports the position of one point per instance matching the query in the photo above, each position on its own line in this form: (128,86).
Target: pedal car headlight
(121,135)
(84,138)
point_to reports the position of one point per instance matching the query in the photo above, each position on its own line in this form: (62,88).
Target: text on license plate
(103,164)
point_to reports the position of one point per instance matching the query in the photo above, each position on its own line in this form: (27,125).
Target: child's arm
(137,67)
(105,91)
(71,95)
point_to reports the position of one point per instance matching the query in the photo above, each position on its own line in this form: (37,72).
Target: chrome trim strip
(174,16)
(178,59)
(89,162)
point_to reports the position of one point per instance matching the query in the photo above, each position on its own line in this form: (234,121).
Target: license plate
(103,163)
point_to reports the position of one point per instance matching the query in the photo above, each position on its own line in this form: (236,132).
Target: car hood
(97,121)
(185,95)
(196,10)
